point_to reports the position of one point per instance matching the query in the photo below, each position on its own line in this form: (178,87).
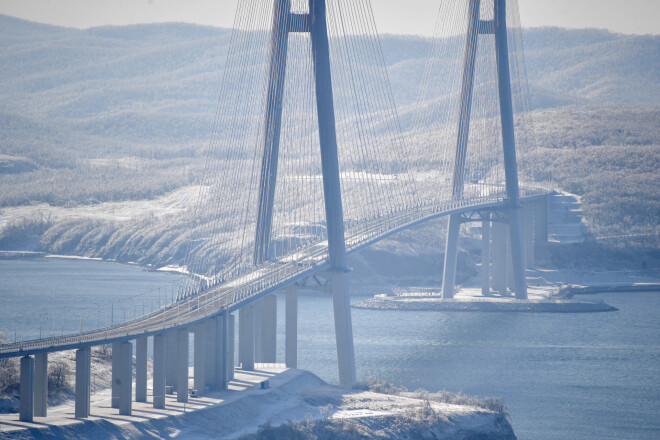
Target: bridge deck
(263,280)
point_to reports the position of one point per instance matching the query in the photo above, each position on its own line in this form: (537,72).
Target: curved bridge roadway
(263,280)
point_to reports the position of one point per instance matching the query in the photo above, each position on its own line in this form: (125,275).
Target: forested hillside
(120,114)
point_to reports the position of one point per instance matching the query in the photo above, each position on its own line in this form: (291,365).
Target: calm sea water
(563,376)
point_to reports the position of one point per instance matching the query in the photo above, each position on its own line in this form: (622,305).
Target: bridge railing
(267,277)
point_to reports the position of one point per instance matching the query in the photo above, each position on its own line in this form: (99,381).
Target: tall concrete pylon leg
(467,83)
(497,26)
(332,193)
(26,390)
(509,149)
(451,254)
(40,384)
(83,370)
(160,359)
(291,327)
(315,23)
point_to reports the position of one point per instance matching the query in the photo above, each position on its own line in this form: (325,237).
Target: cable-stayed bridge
(308,164)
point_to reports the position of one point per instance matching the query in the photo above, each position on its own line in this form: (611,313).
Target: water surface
(563,376)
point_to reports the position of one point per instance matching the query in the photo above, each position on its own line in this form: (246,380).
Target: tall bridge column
(499,257)
(485,255)
(528,228)
(291,327)
(211,342)
(83,367)
(222,361)
(268,329)
(509,149)
(199,380)
(182,365)
(172,362)
(332,193)
(541,221)
(246,337)
(159,371)
(114,388)
(26,390)
(125,378)
(41,384)
(231,342)
(141,369)
(510,279)
(451,251)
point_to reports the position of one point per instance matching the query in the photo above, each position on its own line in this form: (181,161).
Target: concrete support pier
(41,384)
(199,381)
(541,221)
(291,327)
(528,235)
(268,329)
(141,369)
(83,370)
(125,378)
(485,255)
(343,329)
(222,362)
(500,238)
(230,346)
(211,341)
(246,337)
(115,375)
(172,362)
(451,250)
(159,371)
(26,391)
(182,366)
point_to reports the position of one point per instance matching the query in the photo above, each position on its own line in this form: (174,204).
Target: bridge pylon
(314,23)
(512,209)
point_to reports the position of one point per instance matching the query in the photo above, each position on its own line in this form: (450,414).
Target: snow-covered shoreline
(294,396)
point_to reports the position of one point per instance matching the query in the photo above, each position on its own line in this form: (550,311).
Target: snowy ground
(174,202)
(294,395)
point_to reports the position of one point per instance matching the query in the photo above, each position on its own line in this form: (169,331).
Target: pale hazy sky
(392,16)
